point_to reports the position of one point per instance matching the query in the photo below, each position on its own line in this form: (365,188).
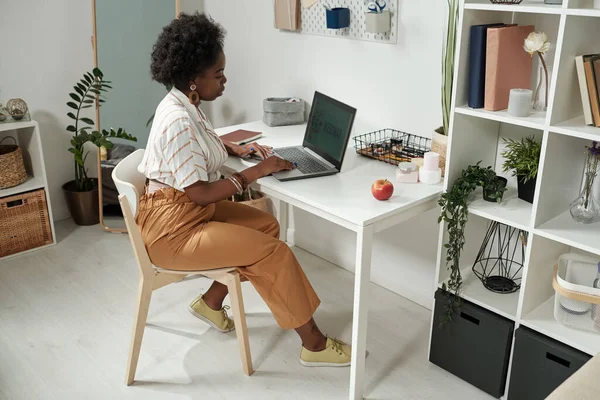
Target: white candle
(519,102)
(431,161)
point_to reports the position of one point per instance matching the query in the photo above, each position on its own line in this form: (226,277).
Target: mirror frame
(99,161)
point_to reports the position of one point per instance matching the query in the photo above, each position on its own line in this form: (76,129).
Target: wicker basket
(12,168)
(252,198)
(24,222)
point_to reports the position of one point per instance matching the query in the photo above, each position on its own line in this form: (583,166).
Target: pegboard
(314,21)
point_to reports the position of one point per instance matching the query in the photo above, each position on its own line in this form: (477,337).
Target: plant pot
(83,206)
(439,144)
(526,190)
(338,18)
(486,195)
(378,22)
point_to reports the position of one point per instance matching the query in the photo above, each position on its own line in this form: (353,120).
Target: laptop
(325,140)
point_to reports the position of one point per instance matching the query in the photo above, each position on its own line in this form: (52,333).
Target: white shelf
(542,320)
(30,184)
(586,12)
(528,6)
(9,126)
(473,290)
(536,120)
(576,127)
(564,230)
(511,211)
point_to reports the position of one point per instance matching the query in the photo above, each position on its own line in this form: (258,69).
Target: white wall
(46,49)
(391,86)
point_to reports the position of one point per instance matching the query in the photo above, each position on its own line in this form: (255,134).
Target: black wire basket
(392,146)
(506,1)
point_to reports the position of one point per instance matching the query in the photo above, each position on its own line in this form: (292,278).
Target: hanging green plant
(455,213)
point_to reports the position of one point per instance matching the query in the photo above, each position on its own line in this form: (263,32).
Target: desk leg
(362,280)
(282,217)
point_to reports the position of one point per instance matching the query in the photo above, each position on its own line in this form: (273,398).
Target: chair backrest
(130,183)
(128,180)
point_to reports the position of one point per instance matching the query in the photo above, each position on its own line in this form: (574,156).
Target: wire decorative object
(392,146)
(498,265)
(506,1)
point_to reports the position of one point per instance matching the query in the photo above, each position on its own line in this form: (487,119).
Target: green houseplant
(439,140)
(455,213)
(81,193)
(523,158)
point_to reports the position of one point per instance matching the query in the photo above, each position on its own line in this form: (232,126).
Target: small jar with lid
(407,172)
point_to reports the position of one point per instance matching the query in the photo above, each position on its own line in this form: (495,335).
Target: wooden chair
(130,183)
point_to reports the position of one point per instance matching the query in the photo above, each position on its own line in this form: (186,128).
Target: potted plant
(523,158)
(439,140)
(81,193)
(454,211)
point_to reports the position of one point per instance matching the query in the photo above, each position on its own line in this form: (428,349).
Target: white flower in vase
(537,42)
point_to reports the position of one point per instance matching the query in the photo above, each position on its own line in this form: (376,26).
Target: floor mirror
(123,35)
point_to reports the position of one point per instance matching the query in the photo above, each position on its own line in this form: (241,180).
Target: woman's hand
(274,164)
(263,152)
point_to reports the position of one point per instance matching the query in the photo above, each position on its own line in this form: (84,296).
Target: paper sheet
(309,3)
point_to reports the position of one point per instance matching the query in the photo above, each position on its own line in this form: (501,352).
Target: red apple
(382,189)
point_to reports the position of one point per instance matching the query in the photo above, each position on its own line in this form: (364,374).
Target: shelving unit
(27,135)
(475,134)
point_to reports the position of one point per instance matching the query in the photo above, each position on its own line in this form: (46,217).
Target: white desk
(344,199)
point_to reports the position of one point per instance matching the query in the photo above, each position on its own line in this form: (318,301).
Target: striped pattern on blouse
(183,148)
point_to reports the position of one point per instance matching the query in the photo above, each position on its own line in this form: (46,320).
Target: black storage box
(474,346)
(540,365)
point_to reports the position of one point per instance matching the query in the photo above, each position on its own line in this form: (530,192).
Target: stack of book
(588,72)
(497,63)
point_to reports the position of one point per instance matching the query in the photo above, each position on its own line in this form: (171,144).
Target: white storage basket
(577,302)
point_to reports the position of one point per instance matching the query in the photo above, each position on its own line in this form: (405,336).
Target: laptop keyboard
(306,163)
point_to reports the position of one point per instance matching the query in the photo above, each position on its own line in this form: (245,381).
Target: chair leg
(141,314)
(239,317)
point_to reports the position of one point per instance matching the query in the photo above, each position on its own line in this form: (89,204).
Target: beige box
(378,22)
(287,14)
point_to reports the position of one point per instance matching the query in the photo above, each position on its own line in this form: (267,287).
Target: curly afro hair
(186,48)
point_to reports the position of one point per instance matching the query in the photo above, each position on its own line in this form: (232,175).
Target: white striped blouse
(183,147)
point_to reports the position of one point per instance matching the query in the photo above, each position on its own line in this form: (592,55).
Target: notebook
(583,87)
(508,65)
(592,73)
(241,136)
(477,54)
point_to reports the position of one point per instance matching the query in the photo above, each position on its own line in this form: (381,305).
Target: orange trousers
(181,235)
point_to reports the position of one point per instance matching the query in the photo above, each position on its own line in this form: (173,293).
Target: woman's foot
(335,354)
(218,319)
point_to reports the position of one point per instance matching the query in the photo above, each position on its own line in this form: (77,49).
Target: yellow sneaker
(217,319)
(335,354)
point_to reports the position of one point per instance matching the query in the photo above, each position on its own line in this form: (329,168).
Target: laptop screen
(328,129)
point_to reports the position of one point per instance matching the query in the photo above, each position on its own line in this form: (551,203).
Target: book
(583,88)
(241,136)
(477,57)
(507,66)
(592,87)
(596,67)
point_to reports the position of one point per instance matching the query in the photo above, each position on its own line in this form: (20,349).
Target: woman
(184,217)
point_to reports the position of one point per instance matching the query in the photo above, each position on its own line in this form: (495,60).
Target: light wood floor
(66,315)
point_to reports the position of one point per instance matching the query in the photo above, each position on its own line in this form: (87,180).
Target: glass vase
(585,208)
(540,94)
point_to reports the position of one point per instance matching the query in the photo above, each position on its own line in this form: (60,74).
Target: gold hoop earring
(194,97)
